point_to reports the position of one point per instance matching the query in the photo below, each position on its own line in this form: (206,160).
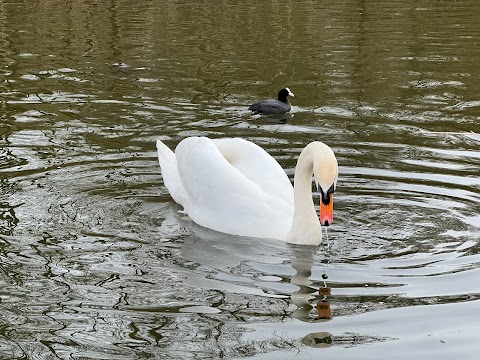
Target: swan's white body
(234,186)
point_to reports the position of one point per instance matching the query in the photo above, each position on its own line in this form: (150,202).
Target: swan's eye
(326,195)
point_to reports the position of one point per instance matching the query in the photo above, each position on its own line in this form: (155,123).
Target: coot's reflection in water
(272,119)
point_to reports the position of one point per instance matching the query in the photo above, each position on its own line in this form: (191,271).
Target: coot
(274,106)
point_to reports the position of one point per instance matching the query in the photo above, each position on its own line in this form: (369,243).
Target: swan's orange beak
(326,212)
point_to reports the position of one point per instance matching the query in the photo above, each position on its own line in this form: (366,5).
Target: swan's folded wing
(258,166)
(225,199)
(171,178)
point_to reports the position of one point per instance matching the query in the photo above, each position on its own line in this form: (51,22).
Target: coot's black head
(282,94)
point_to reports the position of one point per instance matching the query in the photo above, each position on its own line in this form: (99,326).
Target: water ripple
(98,262)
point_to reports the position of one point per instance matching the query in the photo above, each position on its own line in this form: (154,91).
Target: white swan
(234,186)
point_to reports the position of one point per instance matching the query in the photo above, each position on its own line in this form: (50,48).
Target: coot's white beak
(290,93)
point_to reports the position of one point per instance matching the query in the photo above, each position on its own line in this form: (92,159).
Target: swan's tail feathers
(171,177)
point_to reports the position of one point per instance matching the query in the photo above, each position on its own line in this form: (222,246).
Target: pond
(98,262)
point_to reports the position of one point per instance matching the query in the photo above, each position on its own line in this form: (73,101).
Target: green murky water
(97,263)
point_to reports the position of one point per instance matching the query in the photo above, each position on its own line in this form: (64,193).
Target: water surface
(98,263)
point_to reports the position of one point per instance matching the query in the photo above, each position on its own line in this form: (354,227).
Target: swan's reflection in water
(302,263)
(227,263)
(224,252)
(324,309)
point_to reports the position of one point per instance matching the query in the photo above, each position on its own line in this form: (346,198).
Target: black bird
(274,106)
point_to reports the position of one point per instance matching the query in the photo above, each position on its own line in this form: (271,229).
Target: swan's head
(325,172)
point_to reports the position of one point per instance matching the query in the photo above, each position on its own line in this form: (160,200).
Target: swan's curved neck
(306,227)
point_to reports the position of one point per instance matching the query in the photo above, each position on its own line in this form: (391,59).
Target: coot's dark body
(274,106)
